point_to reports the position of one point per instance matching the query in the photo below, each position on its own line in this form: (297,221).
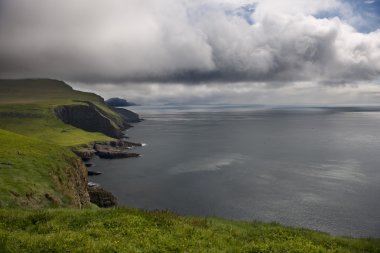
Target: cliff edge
(41,120)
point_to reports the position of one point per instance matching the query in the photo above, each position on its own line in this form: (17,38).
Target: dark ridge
(128,115)
(15,85)
(118,102)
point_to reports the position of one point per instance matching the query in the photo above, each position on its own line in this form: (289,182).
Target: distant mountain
(115,102)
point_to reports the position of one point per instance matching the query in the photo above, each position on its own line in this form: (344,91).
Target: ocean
(312,167)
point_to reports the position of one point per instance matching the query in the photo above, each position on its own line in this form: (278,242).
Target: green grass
(37,120)
(130,230)
(30,169)
(27,108)
(34,160)
(37,90)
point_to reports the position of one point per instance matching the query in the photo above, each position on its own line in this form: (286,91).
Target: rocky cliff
(77,184)
(88,118)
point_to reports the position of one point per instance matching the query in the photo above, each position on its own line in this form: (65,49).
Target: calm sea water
(317,168)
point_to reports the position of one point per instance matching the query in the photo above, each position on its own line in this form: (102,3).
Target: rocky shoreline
(101,197)
(114,149)
(107,149)
(111,121)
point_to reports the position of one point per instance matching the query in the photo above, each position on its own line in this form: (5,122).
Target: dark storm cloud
(197,41)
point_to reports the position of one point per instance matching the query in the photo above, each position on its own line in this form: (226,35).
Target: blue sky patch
(244,11)
(367,10)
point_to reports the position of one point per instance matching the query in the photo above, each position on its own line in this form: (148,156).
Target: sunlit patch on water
(212,163)
(334,170)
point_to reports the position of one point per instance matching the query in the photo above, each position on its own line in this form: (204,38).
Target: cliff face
(73,186)
(77,184)
(88,118)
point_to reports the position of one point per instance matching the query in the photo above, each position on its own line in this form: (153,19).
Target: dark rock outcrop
(128,115)
(88,118)
(94,173)
(114,149)
(101,197)
(116,154)
(86,152)
(106,149)
(119,144)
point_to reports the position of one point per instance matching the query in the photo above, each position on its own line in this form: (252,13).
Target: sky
(199,51)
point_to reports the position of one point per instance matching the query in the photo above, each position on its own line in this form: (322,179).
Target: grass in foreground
(130,230)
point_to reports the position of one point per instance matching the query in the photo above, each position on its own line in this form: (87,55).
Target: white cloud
(306,7)
(117,41)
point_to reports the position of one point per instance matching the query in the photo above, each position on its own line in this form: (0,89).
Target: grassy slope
(33,160)
(128,230)
(37,90)
(28,168)
(26,107)
(37,120)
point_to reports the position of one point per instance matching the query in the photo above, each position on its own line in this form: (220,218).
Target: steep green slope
(36,174)
(128,230)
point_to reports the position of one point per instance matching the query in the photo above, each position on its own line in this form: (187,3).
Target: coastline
(50,114)
(118,149)
(45,197)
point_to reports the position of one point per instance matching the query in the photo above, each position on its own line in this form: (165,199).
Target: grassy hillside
(27,108)
(38,121)
(128,230)
(30,91)
(36,168)
(36,174)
